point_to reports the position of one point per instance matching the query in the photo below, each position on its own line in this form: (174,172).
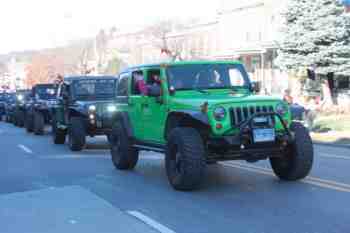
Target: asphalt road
(48,188)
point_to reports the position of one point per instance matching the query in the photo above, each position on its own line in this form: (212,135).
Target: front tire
(28,123)
(124,155)
(58,135)
(20,117)
(76,134)
(185,159)
(39,123)
(297,162)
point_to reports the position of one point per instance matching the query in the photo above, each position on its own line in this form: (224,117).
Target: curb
(347,146)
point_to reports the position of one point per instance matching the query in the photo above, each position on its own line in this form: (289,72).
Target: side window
(122,86)
(236,77)
(137,82)
(153,76)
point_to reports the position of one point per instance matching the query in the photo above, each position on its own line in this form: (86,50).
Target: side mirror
(255,87)
(154,91)
(172,90)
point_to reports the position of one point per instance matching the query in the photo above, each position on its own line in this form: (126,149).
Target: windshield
(207,76)
(94,88)
(46,92)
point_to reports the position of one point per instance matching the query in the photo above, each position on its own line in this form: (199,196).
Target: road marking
(329,184)
(333,156)
(152,223)
(25,149)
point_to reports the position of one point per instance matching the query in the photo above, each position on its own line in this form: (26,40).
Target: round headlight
(281,109)
(20,97)
(111,108)
(219,113)
(92,108)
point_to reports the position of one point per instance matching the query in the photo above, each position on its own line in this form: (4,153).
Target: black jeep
(19,111)
(85,107)
(39,108)
(2,105)
(10,103)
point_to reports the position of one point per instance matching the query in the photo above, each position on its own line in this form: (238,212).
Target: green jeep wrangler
(84,108)
(198,113)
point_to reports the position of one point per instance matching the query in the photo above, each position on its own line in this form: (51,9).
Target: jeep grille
(241,114)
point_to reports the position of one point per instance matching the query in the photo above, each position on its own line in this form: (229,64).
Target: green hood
(195,101)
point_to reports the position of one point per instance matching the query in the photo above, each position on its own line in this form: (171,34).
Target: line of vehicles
(196,113)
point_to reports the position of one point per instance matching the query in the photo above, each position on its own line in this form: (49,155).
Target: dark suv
(2,105)
(10,103)
(84,108)
(19,111)
(39,108)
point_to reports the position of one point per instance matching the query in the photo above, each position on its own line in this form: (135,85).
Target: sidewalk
(332,138)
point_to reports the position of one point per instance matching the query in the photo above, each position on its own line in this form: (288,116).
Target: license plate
(264,135)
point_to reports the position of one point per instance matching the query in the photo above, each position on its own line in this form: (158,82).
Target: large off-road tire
(124,155)
(39,123)
(28,123)
(14,119)
(185,160)
(76,134)
(58,135)
(297,162)
(20,117)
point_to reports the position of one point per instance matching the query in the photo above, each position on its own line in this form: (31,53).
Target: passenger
(287,97)
(140,84)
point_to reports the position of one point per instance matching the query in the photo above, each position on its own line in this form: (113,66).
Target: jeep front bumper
(244,146)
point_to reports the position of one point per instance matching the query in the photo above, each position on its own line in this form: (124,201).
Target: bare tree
(160,34)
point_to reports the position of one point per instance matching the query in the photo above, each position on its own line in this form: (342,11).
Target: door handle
(144,104)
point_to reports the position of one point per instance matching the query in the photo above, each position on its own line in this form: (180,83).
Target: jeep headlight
(20,97)
(281,109)
(219,113)
(111,108)
(92,108)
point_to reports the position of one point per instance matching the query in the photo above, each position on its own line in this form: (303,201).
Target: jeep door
(154,108)
(129,101)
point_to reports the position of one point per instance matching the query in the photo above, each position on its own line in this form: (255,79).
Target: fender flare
(195,115)
(124,118)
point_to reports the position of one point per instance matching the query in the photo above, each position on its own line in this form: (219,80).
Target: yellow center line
(308,180)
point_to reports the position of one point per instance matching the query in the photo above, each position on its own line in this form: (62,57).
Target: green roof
(176,63)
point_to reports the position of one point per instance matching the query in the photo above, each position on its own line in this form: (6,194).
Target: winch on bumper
(257,139)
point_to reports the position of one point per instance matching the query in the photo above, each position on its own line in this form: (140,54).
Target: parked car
(84,108)
(39,108)
(198,113)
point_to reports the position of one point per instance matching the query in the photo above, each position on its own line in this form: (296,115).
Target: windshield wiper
(201,90)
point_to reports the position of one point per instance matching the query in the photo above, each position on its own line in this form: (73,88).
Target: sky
(36,24)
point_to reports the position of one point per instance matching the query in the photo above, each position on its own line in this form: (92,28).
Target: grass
(332,129)
(337,123)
